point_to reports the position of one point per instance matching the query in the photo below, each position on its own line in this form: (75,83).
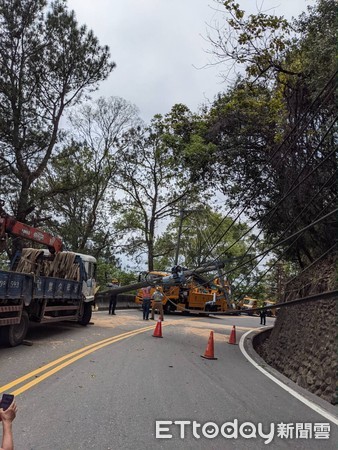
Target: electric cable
(330,250)
(277,244)
(300,231)
(291,190)
(300,214)
(296,127)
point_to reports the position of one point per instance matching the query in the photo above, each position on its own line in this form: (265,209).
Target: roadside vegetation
(122,190)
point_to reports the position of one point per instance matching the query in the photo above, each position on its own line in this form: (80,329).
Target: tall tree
(274,129)
(78,180)
(205,236)
(256,43)
(48,63)
(152,183)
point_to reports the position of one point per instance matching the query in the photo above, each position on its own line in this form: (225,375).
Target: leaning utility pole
(179,237)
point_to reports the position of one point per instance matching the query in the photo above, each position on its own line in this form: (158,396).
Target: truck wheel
(87,314)
(13,335)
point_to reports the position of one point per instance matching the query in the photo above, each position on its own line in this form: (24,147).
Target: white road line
(298,396)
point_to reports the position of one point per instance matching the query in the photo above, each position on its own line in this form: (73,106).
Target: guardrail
(322,296)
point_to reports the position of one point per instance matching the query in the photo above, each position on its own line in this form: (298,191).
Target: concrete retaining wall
(123,301)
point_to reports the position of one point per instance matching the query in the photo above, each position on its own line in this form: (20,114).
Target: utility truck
(42,285)
(188,290)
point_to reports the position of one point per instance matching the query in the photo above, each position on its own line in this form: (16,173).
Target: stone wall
(303,342)
(302,346)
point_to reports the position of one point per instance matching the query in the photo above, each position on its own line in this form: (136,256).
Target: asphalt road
(111,395)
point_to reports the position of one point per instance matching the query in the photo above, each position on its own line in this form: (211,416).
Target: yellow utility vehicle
(247,304)
(273,311)
(193,293)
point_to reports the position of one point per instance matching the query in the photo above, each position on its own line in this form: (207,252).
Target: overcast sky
(158,46)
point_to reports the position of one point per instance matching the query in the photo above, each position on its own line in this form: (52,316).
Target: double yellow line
(43,372)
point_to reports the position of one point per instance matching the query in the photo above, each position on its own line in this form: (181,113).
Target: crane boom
(170,280)
(9,225)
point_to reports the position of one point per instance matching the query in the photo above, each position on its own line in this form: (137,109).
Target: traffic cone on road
(232,338)
(209,351)
(158,329)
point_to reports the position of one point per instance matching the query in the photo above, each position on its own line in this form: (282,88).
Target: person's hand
(9,414)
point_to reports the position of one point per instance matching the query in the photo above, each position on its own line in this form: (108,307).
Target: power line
(294,221)
(330,250)
(296,127)
(272,211)
(291,189)
(277,244)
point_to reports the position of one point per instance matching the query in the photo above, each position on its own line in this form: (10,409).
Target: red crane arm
(11,226)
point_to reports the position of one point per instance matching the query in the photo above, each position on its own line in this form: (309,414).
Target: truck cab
(89,285)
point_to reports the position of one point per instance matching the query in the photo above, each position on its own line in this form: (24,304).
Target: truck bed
(44,298)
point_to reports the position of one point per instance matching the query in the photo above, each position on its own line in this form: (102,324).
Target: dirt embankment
(303,343)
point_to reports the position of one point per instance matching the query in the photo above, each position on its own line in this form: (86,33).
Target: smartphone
(6,401)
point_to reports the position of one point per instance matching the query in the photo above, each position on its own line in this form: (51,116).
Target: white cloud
(157,45)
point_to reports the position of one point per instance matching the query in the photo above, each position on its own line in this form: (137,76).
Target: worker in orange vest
(146,295)
(157,303)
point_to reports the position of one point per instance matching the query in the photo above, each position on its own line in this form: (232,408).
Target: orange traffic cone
(232,338)
(209,351)
(158,329)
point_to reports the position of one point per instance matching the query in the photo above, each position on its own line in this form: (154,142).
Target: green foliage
(108,271)
(257,41)
(199,156)
(206,236)
(183,132)
(76,186)
(154,179)
(78,181)
(318,43)
(48,63)
(244,124)
(274,128)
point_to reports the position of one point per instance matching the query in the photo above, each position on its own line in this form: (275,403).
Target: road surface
(106,385)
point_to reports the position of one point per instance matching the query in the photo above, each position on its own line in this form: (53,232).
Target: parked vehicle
(42,285)
(247,304)
(273,311)
(187,291)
